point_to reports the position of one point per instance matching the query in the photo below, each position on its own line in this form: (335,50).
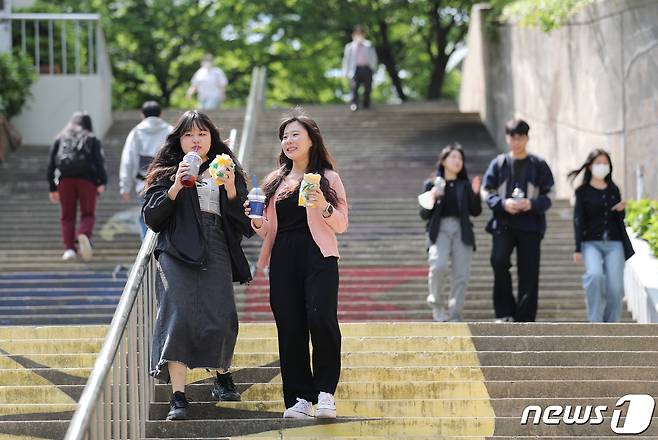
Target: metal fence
(59,44)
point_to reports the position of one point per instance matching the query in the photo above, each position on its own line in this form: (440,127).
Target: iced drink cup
(195,162)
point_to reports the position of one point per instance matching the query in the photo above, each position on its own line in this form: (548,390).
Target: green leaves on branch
(545,14)
(642,217)
(17,73)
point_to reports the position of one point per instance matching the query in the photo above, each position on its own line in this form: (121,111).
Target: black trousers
(528,254)
(362,75)
(304,300)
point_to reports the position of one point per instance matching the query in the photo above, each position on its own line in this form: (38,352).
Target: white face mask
(359,38)
(600,170)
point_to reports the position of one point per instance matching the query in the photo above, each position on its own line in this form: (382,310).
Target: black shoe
(177,407)
(224,388)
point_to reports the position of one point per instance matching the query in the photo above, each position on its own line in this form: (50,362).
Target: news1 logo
(637,419)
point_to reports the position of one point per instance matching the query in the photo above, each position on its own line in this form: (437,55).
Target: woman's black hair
(320,159)
(586,167)
(165,163)
(440,171)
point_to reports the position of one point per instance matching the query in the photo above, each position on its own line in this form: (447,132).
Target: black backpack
(73,157)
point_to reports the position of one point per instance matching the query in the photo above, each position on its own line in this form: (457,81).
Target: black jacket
(584,221)
(540,191)
(469,205)
(96,173)
(179,225)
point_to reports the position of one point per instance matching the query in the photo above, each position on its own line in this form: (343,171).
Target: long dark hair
(587,176)
(165,163)
(320,159)
(440,169)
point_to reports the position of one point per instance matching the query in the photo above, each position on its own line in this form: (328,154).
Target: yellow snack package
(219,166)
(309,183)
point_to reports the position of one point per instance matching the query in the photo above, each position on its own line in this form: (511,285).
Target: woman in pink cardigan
(301,250)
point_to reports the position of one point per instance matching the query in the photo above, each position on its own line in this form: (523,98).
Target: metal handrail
(104,410)
(255,104)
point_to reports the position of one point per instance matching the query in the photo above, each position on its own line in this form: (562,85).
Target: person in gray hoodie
(142,144)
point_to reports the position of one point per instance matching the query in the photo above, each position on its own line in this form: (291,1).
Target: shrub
(642,218)
(17,73)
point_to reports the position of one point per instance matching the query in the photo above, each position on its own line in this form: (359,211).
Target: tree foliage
(156,45)
(17,73)
(545,14)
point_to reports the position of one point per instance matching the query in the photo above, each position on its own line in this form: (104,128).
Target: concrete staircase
(383,156)
(412,380)
(399,380)
(36,286)
(43,371)
(425,380)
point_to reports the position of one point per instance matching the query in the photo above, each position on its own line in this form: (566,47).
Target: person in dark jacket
(601,239)
(199,256)
(519,189)
(76,174)
(450,233)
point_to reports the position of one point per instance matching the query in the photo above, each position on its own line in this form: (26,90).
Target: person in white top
(359,64)
(142,144)
(209,83)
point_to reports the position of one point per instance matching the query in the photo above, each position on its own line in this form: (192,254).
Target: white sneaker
(69,255)
(84,245)
(303,409)
(438,314)
(326,408)
(505,319)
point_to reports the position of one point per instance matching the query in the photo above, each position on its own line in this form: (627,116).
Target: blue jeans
(603,280)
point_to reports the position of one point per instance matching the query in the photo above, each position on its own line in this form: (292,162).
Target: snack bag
(219,166)
(309,183)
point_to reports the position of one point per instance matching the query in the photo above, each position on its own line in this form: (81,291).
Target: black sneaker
(224,388)
(177,407)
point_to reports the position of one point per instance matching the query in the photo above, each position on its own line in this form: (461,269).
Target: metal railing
(255,104)
(115,401)
(60,44)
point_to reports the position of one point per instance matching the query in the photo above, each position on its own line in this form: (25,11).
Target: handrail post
(254,107)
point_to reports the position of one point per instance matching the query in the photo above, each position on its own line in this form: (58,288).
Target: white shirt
(208,82)
(208,192)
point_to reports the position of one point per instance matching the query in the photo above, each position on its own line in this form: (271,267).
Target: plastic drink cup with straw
(194,160)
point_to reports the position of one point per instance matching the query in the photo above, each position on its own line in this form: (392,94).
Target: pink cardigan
(323,230)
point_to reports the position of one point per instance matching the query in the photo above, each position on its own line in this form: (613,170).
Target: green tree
(155,45)
(17,73)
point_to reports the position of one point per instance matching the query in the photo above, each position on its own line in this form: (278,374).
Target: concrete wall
(591,83)
(55,98)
